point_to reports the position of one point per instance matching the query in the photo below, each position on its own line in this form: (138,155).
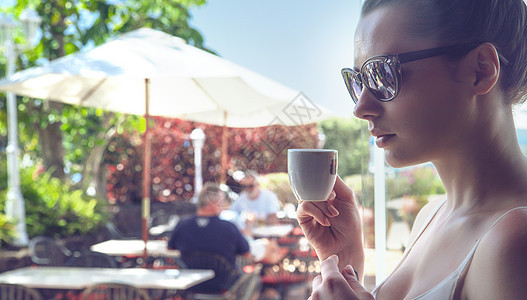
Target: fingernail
(332,210)
(332,195)
(326,222)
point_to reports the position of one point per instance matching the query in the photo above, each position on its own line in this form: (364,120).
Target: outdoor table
(69,278)
(135,248)
(270,231)
(164,228)
(161,229)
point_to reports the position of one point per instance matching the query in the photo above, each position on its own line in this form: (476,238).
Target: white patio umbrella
(184,82)
(148,72)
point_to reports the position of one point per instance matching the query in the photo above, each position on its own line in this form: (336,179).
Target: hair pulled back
(500,22)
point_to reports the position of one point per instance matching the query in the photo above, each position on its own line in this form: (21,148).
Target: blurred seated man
(260,205)
(206,231)
(263,250)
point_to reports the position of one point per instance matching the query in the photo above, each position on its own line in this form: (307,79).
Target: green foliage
(362,185)
(85,128)
(347,137)
(3,172)
(53,208)
(67,27)
(166,15)
(261,149)
(7,230)
(417,182)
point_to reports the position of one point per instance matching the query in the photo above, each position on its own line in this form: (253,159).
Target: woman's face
(428,116)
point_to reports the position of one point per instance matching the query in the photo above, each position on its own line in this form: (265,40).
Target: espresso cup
(312,173)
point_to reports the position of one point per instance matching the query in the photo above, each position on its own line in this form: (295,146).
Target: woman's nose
(368,107)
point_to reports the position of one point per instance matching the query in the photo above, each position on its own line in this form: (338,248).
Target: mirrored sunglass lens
(380,80)
(354,86)
(357,88)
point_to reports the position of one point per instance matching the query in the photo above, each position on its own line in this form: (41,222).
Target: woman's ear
(486,66)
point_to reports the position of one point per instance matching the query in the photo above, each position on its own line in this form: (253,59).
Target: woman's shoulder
(508,232)
(424,216)
(430,208)
(499,266)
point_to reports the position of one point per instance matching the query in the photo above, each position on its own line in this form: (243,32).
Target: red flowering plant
(263,149)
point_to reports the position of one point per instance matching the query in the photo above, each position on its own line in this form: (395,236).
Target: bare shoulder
(499,266)
(423,215)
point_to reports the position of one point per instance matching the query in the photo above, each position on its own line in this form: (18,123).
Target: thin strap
(499,219)
(467,259)
(425,224)
(462,266)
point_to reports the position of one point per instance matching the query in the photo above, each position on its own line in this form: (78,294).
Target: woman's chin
(398,161)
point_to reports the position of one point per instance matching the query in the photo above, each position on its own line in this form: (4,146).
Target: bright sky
(300,43)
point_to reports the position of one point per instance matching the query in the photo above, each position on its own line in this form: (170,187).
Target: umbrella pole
(224,140)
(146,174)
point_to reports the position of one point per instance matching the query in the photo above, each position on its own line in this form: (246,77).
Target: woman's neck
(489,165)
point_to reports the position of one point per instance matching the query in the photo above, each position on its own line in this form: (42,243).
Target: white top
(80,278)
(446,288)
(265,204)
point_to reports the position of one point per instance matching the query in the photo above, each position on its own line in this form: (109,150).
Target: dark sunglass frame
(393,62)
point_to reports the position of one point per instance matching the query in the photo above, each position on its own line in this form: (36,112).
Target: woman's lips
(382,140)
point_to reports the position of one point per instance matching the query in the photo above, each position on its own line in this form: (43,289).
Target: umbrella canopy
(148,72)
(185,82)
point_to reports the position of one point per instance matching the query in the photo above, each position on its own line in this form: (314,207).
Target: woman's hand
(332,284)
(334,226)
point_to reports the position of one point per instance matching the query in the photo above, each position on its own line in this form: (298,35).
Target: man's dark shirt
(208,234)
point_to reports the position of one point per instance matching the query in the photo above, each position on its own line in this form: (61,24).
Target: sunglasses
(382,74)
(248,186)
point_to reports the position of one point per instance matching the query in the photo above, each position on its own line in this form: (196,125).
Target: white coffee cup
(312,173)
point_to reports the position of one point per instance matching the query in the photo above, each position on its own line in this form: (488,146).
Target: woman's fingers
(321,211)
(330,271)
(329,266)
(317,210)
(351,277)
(317,281)
(331,284)
(342,190)
(310,210)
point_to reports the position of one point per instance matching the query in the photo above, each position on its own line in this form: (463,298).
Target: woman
(450,104)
